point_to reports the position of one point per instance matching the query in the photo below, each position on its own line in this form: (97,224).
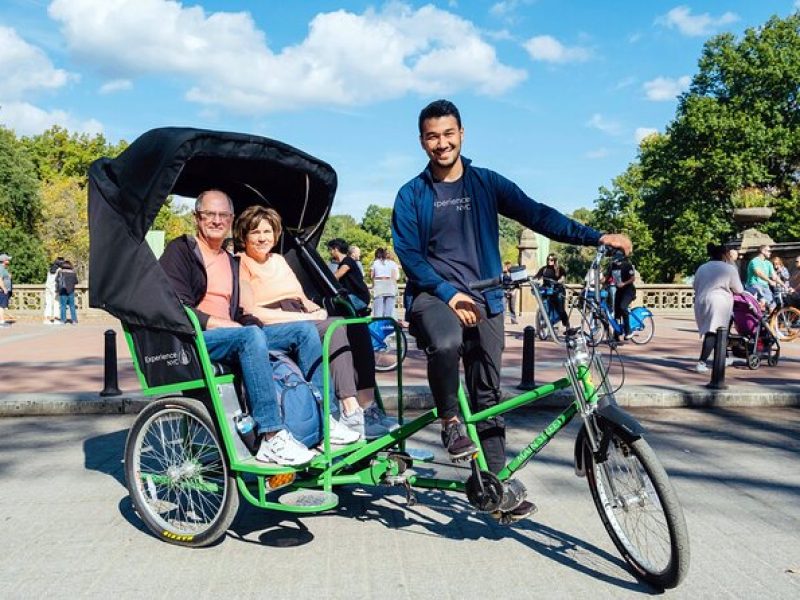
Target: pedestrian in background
(355,253)
(715,283)
(66,282)
(384,273)
(5,288)
(50,316)
(512,294)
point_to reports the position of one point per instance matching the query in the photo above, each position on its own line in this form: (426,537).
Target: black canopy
(126,193)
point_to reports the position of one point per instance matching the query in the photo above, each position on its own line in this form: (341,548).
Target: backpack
(299,400)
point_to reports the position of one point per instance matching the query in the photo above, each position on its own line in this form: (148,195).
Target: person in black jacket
(65,284)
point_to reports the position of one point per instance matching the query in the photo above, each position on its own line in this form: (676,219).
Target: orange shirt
(217,301)
(271,280)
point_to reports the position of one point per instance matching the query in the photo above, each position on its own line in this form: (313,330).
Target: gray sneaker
(357,421)
(373,413)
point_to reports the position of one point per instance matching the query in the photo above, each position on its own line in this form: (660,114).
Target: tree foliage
(738,127)
(43,203)
(64,230)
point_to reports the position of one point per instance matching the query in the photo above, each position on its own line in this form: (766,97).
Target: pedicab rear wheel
(177,474)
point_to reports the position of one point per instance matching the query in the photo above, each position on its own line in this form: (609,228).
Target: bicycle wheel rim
(180,473)
(645,334)
(635,512)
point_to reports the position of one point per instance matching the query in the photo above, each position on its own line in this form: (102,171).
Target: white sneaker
(283,449)
(729,361)
(341,434)
(701,367)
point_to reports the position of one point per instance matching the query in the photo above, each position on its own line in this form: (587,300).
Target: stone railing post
(527,257)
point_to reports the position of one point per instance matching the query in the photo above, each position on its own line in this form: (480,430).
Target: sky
(555,95)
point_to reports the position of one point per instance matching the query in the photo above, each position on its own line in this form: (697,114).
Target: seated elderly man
(206,278)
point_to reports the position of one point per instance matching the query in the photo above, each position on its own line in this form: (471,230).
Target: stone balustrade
(655,296)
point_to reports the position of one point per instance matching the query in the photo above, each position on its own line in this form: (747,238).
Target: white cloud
(116,85)
(596,154)
(346,59)
(643,132)
(662,89)
(27,119)
(546,48)
(25,68)
(603,124)
(681,17)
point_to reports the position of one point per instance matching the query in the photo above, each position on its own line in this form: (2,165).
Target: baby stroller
(753,340)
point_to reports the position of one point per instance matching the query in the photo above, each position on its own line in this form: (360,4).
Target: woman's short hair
(380,254)
(250,218)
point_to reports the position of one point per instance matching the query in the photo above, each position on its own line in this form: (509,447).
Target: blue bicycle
(597,317)
(552,294)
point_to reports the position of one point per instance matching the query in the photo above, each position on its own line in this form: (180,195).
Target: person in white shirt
(384,273)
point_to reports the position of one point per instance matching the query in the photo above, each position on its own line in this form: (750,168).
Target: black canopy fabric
(126,193)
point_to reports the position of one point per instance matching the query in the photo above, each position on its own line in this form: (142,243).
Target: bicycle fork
(579,370)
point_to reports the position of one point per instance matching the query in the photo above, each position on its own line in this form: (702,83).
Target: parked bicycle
(552,294)
(597,316)
(784,320)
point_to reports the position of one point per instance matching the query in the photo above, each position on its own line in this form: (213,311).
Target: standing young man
(446,235)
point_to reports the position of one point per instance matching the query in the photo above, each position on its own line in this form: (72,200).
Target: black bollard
(110,382)
(528,358)
(718,366)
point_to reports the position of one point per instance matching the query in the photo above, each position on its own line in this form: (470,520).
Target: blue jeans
(247,346)
(301,342)
(67,300)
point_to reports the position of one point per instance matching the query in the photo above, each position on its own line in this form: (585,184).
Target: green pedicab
(185,464)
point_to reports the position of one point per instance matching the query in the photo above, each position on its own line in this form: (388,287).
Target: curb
(419,397)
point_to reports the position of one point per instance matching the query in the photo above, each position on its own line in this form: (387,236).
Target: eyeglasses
(208,215)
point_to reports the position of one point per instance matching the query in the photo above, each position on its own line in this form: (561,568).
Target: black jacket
(183,264)
(66,282)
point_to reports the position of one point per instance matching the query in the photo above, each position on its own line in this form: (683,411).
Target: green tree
(174,220)
(28,264)
(64,229)
(378,221)
(20,205)
(59,152)
(20,210)
(737,127)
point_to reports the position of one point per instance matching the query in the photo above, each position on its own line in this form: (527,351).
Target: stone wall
(657,297)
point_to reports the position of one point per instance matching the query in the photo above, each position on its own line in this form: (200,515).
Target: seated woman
(271,291)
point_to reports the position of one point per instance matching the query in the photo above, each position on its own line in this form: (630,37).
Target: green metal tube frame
(329,469)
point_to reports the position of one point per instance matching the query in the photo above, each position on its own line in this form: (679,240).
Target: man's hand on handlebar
(619,241)
(465,308)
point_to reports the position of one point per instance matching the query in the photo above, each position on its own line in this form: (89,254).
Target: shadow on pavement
(104,453)
(460,523)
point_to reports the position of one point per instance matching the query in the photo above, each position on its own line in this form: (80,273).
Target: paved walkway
(57,369)
(69,530)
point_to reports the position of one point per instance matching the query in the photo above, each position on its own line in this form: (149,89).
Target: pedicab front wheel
(640,510)
(177,474)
